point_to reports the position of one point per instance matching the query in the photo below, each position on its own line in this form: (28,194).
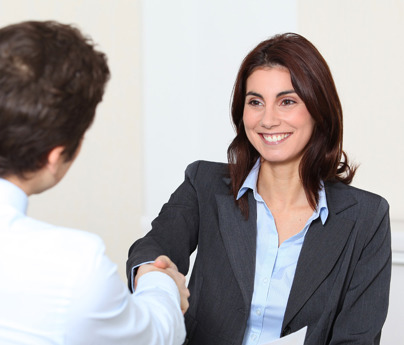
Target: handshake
(165,265)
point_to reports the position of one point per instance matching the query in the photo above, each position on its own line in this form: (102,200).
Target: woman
(283,240)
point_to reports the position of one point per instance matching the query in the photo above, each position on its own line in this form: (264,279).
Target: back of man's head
(51,80)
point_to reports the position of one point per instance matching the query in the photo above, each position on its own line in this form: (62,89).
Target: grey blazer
(341,285)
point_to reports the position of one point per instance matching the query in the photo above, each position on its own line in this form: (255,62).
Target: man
(58,286)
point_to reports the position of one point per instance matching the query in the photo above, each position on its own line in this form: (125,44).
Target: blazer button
(286,331)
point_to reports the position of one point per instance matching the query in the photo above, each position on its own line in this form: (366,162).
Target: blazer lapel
(239,237)
(321,249)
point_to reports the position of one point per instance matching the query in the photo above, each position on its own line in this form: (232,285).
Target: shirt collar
(251,183)
(13,196)
(322,207)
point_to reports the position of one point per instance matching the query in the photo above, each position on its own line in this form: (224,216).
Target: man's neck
(31,183)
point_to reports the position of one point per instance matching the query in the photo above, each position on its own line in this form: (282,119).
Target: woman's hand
(165,265)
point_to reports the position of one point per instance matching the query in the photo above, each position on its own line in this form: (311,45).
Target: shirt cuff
(134,273)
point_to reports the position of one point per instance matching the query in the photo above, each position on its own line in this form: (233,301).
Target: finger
(184,300)
(184,305)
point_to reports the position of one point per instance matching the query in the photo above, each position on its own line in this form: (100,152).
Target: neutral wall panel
(191,52)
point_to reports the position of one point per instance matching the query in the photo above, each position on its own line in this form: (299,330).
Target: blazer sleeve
(365,305)
(174,232)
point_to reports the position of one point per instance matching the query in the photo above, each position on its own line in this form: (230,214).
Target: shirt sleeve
(104,312)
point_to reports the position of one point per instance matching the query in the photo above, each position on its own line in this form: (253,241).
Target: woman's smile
(276,138)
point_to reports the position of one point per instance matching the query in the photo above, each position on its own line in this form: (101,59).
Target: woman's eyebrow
(283,93)
(252,93)
(280,94)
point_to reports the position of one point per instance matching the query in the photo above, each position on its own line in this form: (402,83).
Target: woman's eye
(254,102)
(288,102)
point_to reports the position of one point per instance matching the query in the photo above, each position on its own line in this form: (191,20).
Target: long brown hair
(323,158)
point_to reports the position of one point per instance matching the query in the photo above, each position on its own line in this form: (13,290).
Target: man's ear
(55,158)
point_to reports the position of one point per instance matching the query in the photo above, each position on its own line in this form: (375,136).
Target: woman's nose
(270,118)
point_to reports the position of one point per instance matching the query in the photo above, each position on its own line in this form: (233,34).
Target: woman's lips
(276,138)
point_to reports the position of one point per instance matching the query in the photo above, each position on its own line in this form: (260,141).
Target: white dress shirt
(275,267)
(58,287)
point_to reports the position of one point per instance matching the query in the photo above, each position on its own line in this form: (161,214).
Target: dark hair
(51,80)
(323,158)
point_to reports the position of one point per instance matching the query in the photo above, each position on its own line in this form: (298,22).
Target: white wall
(191,52)
(102,193)
(361,40)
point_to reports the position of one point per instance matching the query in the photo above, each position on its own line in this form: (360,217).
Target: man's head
(51,80)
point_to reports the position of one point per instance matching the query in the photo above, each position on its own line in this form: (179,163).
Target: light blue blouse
(275,267)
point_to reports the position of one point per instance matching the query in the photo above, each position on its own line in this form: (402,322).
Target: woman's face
(276,120)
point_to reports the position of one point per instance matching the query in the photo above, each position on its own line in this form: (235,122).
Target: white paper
(296,338)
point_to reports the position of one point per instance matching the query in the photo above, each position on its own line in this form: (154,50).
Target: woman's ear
(55,158)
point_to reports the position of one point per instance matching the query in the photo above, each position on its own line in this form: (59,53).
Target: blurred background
(173,66)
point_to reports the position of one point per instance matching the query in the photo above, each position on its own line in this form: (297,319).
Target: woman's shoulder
(209,166)
(206,174)
(207,169)
(341,191)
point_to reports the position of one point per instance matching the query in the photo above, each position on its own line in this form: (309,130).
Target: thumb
(163,262)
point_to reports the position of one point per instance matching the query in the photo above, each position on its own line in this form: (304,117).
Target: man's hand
(165,265)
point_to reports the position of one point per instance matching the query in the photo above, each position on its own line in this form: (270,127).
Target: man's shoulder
(60,243)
